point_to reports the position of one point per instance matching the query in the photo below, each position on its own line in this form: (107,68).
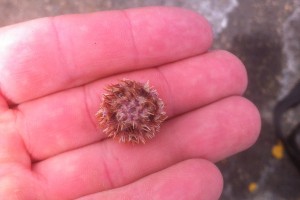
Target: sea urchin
(131,111)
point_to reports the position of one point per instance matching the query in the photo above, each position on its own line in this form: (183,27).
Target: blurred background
(265,34)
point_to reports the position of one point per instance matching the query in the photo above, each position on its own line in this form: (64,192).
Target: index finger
(51,54)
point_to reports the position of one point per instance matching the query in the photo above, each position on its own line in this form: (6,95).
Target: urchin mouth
(130,115)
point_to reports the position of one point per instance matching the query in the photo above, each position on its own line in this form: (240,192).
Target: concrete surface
(265,35)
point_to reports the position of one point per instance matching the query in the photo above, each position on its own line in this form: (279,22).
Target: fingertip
(234,67)
(253,119)
(210,179)
(181,26)
(248,125)
(201,25)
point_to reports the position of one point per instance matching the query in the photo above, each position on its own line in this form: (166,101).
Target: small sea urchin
(131,111)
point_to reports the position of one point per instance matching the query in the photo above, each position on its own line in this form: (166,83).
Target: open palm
(52,75)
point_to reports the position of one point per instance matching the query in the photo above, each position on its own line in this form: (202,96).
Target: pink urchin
(131,111)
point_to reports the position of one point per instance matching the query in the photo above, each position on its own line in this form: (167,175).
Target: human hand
(53,71)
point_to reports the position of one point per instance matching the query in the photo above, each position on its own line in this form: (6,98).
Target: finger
(189,180)
(213,132)
(66,120)
(48,55)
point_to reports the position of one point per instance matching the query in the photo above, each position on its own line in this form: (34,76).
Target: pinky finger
(188,180)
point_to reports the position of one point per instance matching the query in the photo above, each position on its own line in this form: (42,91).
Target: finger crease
(106,169)
(86,104)
(168,88)
(136,58)
(60,48)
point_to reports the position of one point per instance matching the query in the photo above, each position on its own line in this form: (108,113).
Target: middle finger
(65,120)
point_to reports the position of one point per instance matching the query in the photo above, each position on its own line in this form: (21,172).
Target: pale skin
(53,71)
